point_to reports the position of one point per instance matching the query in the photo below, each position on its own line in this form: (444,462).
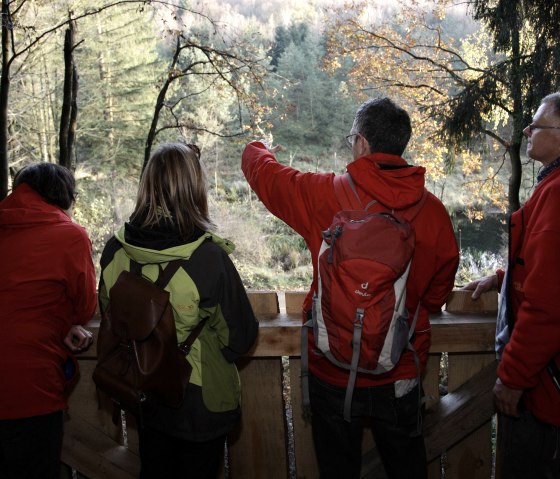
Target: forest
(97,87)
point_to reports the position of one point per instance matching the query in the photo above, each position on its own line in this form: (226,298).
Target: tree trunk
(64,137)
(105,75)
(4,93)
(514,152)
(73,116)
(159,105)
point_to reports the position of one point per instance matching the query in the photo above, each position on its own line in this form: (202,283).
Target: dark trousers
(528,448)
(393,421)
(30,447)
(165,456)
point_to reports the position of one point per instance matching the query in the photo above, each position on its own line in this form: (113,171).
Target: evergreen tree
(295,34)
(461,98)
(120,64)
(525,33)
(313,110)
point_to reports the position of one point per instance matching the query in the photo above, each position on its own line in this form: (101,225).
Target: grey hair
(384,125)
(554,100)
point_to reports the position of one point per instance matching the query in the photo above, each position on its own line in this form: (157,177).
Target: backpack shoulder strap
(165,274)
(163,280)
(186,345)
(346,194)
(135,267)
(168,272)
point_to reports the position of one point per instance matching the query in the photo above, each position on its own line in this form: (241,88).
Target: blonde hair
(173,189)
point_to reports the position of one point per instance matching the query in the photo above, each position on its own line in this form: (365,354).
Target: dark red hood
(395,183)
(25,207)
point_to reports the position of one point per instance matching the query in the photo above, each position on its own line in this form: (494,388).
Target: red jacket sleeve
(535,339)
(443,252)
(80,274)
(287,193)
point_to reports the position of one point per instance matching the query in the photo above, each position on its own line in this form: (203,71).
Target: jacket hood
(25,207)
(184,251)
(396,184)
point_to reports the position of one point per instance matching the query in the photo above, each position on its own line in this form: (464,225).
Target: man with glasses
(527,391)
(388,403)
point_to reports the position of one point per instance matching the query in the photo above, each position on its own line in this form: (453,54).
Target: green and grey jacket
(207,285)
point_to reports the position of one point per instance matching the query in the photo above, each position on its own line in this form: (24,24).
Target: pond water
(486,235)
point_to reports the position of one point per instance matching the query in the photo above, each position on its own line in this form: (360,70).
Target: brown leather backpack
(140,364)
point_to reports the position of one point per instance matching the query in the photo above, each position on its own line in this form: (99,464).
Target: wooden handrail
(465,331)
(279,334)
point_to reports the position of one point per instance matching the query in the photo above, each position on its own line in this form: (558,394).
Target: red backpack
(359,319)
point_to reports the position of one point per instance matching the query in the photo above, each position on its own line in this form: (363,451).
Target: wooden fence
(274,441)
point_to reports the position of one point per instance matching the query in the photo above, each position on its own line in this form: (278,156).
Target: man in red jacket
(527,391)
(307,203)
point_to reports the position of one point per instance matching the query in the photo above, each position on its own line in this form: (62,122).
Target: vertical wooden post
(261,438)
(472,457)
(431,392)
(305,459)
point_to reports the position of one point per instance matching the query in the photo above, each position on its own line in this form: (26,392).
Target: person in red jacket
(47,292)
(307,203)
(527,390)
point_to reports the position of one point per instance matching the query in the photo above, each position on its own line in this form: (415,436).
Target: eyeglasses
(349,142)
(194,148)
(534,126)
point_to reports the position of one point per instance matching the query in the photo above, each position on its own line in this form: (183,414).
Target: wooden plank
(258,447)
(460,301)
(462,333)
(430,381)
(472,457)
(305,459)
(430,384)
(264,302)
(278,337)
(460,412)
(294,301)
(94,454)
(279,334)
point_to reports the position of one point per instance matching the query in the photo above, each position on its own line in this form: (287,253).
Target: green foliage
(305,102)
(119,65)
(288,250)
(91,211)
(311,107)
(526,31)
(295,34)
(268,254)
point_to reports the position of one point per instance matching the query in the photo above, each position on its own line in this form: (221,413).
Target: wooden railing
(274,441)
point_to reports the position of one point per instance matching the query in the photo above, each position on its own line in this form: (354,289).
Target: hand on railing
(78,338)
(482,285)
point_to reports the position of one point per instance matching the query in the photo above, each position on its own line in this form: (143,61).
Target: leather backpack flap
(136,305)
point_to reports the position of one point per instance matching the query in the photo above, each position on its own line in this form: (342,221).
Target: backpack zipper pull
(333,235)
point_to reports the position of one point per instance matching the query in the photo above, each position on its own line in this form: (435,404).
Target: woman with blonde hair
(171,222)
